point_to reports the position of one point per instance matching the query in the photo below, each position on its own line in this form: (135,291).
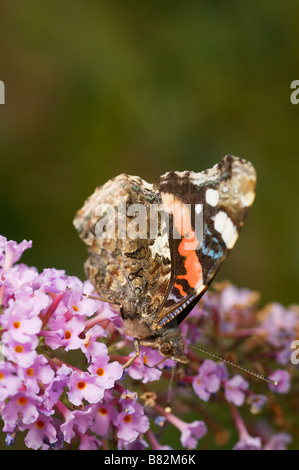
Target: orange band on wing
(193,269)
(180,288)
(189,243)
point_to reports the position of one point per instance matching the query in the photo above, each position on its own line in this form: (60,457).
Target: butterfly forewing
(221,197)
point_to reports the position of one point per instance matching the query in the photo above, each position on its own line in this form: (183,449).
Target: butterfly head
(172,346)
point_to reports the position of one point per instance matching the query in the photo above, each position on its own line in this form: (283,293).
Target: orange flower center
(30,372)
(67,334)
(19,349)
(127,418)
(16,324)
(103,411)
(22,401)
(100,371)
(81,385)
(1,375)
(40,424)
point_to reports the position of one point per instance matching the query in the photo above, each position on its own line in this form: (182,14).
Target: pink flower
(245,442)
(128,401)
(278,441)
(51,280)
(17,282)
(11,252)
(280,325)
(103,414)
(129,426)
(88,442)
(71,329)
(10,382)
(22,408)
(39,372)
(138,444)
(39,432)
(21,319)
(235,390)
(207,380)
(84,386)
(283,378)
(190,432)
(40,313)
(90,346)
(76,302)
(231,297)
(22,353)
(106,373)
(75,421)
(55,388)
(143,368)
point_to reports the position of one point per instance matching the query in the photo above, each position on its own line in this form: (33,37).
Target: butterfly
(153,249)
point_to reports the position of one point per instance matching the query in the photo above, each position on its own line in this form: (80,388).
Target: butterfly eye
(225,189)
(236,191)
(166,349)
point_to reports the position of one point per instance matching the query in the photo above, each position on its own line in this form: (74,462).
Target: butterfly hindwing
(132,271)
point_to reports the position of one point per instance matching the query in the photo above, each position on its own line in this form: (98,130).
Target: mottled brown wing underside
(132,272)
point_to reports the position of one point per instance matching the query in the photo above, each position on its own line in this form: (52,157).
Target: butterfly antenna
(168,406)
(238,366)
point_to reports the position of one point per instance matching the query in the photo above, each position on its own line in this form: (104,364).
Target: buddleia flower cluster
(62,382)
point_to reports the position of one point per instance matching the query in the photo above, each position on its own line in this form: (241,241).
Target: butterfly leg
(137,353)
(87,296)
(95,297)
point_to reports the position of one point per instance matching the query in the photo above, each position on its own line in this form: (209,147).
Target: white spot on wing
(219,221)
(212,197)
(225,226)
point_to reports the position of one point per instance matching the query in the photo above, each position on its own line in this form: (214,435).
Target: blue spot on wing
(212,250)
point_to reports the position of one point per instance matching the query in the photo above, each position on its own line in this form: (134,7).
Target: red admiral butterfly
(157,268)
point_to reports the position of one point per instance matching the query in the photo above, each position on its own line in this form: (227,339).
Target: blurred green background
(97,88)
